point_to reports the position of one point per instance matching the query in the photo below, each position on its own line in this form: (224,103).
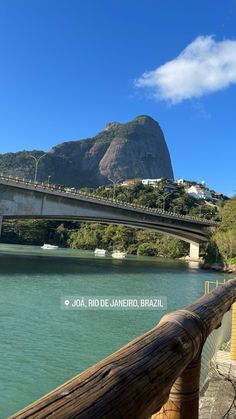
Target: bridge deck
(80,195)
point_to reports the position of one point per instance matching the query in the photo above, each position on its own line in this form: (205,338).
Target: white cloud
(204,66)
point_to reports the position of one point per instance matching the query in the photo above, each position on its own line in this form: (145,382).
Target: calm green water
(41,345)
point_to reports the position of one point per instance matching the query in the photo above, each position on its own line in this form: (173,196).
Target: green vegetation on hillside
(168,196)
(222,247)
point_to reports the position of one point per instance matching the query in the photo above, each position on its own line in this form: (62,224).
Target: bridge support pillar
(1,219)
(194,251)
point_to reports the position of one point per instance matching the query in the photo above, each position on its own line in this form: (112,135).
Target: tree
(61,235)
(147,249)
(224,238)
(88,237)
(172,247)
(228,215)
(226,243)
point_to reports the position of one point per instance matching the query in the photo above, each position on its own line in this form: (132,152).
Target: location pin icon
(66,302)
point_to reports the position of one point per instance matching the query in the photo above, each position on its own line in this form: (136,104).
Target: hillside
(136,149)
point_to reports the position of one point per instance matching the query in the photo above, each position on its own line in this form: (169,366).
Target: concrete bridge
(20,198)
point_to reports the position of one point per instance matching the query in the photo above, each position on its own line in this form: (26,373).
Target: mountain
(136,149)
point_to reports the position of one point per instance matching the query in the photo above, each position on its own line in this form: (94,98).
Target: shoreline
(225,267)
(220,267)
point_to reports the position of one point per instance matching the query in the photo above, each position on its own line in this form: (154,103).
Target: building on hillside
(199,192)
(180,181)
(184,182)
(151,182)
(170,188)
(129,182)
(218,196)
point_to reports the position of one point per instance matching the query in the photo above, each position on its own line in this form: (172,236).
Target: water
(42,346)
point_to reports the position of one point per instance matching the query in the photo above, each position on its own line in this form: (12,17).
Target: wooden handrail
(135,382)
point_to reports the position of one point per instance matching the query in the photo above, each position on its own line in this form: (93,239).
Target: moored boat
(100,252)
(118,255)
(49,246)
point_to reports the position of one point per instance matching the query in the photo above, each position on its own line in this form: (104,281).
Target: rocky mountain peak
(111,125)
(136,149)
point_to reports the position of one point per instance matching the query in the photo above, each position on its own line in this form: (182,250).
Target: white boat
(118,255)
(100,252)
(49,246)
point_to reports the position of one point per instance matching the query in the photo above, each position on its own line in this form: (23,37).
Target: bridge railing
(156,374)
(79,193)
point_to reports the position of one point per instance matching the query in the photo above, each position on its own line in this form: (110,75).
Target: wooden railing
(156,374)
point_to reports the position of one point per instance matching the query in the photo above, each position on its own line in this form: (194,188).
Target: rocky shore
(221,267)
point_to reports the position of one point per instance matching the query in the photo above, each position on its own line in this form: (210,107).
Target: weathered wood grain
(135,381)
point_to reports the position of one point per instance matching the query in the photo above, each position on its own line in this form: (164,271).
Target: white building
(180,181)
(151,182)
(128,182)
(199,192)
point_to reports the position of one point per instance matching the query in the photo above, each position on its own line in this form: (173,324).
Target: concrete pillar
(194,251)
(1,219)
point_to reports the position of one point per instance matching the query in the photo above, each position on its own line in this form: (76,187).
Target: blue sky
(70,66)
